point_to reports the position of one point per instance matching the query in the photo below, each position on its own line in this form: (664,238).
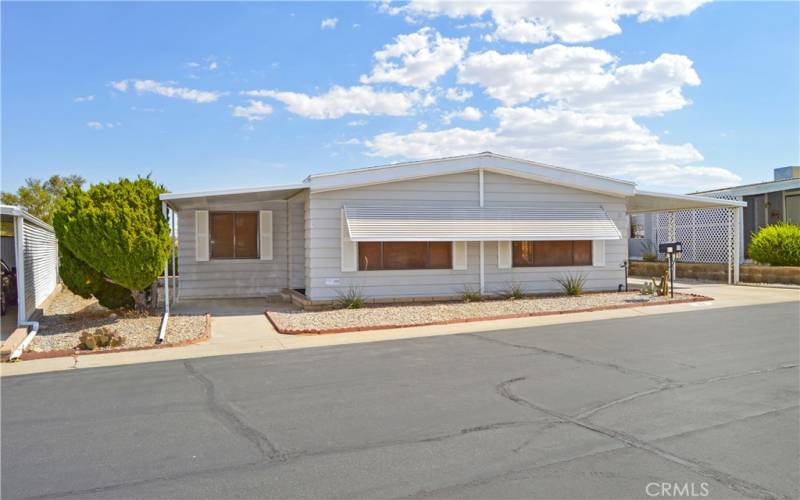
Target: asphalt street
(706,400)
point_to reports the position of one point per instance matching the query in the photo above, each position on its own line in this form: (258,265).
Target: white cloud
(85,98)
(600,142)
(469,113)
(582,78)
(167,89)
(537,22)
(95,125)
(456,94)
(340,101)
(329,23)
(254,111)
(416,59)
(121,85)
(357,123)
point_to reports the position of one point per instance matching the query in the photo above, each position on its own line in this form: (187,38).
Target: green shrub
(573,284)
(777,245)
(515,291)
(117,230)
(351,299)
(82,280)
(469,294)
(101,337)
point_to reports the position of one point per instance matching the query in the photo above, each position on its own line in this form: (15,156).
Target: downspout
(480,201)
(22,316)
(164,320)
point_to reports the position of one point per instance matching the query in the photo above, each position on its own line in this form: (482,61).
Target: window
(374,256)
(551,253)
(233,235)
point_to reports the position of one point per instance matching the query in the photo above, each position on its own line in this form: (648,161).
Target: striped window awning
(545,223)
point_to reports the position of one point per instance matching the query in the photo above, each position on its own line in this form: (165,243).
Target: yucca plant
(469,294)
(351,299)
(515,292)
(573,284)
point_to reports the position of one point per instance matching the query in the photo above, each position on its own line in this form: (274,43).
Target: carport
(30,249)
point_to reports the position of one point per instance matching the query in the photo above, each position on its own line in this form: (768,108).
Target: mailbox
(675,248)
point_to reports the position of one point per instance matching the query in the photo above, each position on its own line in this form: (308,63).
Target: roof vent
(786,173)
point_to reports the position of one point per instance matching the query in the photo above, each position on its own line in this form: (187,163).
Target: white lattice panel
(705,233)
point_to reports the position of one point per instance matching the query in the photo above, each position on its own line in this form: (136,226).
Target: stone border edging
(323,331)
(77,352)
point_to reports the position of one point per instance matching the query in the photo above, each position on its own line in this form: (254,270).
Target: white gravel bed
(409,315)
(67,315)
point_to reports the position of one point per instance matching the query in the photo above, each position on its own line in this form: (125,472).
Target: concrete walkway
(239,327)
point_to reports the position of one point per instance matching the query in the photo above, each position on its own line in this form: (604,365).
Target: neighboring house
(702,230)
(28,247)
(418,229)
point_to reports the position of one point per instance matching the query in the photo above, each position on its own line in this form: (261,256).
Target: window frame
(514,247)
(211,213)
(427,267)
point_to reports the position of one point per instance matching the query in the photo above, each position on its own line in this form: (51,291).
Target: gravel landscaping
(439,313)
(67,315)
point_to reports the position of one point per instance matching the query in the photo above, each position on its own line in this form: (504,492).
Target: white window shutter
(265,229)
(504,255)
(349,249)
(598,253)
(459,255)
(201,235)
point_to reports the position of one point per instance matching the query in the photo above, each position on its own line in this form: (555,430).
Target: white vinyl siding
(231,277)
(41,265)
(297,239)
(323,241)
(501,190)
(325,279)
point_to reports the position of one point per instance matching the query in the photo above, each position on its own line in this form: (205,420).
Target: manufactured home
(424,229)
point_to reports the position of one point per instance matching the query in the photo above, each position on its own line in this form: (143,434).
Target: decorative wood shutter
(349,249)
(265,231)
(460,255)
(504,255)
(201,235)
(598,253)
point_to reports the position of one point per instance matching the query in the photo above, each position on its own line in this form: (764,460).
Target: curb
(26,356)
(324,331)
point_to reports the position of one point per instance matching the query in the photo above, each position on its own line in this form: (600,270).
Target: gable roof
(487,161)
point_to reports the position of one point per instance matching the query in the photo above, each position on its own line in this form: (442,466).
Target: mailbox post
(673,251)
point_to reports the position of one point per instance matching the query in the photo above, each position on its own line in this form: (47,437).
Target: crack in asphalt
(680,385)
(578,359)
(742,486)
(228,417)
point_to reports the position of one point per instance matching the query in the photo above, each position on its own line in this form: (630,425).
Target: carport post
(19,258)
(174,273)
(736,214)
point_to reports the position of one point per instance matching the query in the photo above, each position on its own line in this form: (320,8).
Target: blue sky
(683,96)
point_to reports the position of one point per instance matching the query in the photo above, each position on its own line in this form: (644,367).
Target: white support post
(671,236)
(19,258)
(729,244)
(163,330)
(174,215)
(736,213)
(482,245)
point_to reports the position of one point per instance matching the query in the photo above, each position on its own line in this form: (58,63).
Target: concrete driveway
(702,400)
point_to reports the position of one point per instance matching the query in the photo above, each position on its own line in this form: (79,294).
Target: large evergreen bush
(112,234)
(777,244)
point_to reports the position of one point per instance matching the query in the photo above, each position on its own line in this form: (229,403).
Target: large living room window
(396,255)
(233,235)
(551,253)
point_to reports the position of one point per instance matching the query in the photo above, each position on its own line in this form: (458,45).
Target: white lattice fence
(705,233)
